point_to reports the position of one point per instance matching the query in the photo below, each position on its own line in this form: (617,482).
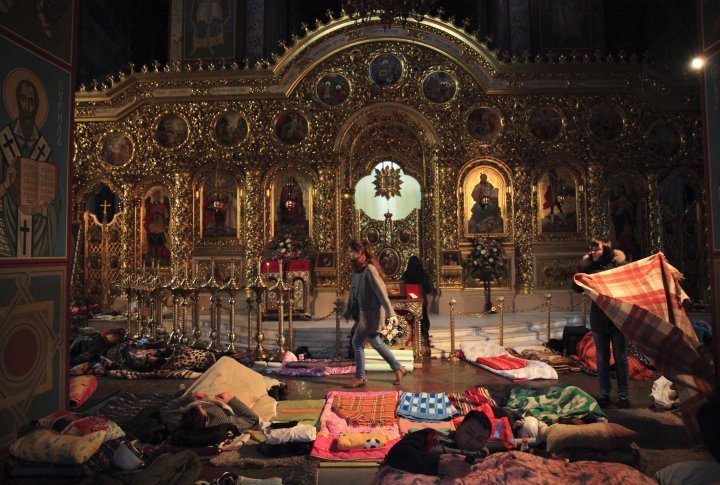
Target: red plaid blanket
(643,299)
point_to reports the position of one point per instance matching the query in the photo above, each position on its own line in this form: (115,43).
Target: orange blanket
(360,410)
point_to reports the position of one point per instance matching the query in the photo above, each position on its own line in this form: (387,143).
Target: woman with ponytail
(368,306)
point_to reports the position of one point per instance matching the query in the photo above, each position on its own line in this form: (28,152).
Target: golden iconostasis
(214,161)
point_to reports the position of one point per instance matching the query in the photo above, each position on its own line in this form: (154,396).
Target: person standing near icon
(368,306)
(603,257)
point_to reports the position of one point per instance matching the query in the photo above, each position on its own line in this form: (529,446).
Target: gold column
(253,201)
(231,287)
(655,224)
(596,197)
(524,193)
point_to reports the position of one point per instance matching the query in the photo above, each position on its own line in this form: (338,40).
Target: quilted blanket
(557,403)
(644,300)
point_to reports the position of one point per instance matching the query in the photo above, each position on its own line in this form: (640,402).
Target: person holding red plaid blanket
(600,258)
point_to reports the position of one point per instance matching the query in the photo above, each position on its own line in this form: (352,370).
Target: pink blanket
(515,467)
(331,425)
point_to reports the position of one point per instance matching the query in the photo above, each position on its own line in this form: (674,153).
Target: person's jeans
(358,343)
(619,347)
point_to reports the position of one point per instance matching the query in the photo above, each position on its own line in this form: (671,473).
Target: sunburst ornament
(387,182)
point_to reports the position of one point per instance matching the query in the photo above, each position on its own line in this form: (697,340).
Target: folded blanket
(502,362)
(555,404)
(302,433)
(424,406)
(361,441)
(359,410)
(470,399)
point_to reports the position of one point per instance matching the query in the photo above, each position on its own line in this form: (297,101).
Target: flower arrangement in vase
(286,247)
(486,262)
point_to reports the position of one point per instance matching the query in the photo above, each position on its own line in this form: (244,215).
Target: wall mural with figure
(209,28)
(484,202)
(156,227)
(557,201)
(34,128)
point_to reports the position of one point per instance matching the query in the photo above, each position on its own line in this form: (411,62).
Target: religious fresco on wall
(332,89)
(209,29)
(155,235)
(389,260)
(292,204)
(386,69)
(34,127)
(171,130)
(663,139)
(291,127)
(219,206)
(628,214)
(230,128)
(557,201)
(48,25)
(565,24)
(710,11)
(484,205)
(545,123)
(116,149)
(484,123)
(439,87)
(605,122)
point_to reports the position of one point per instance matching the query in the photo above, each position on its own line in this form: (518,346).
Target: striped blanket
(643,299)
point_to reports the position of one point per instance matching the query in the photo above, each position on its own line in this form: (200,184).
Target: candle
(280,268)
(259,263)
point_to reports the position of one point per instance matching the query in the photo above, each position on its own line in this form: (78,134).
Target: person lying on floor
(204,412)
(429,452)
(90,347)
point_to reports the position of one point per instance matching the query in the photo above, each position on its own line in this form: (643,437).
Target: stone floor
(662,436)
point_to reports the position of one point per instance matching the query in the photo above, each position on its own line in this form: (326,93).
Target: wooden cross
(105,206)
(25,230)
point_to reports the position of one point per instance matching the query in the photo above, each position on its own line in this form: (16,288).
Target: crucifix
(24,230)
(105,206)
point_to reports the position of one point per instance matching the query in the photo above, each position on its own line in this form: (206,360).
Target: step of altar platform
(527,331)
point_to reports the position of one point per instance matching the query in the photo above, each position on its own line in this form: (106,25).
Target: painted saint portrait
(209,29)
(404,235)
(663,139)
(291,127)
(333,89)
(156,226)
(386,69)
(230,128)
(605,122)
(439,87)
(389,260)
(325,261)
(171,131)
(117,149)
(557,201)
(484,124)
(451,258)
(484,207)
(373,236)
(33,167)
(565,24)
(219,206)
(545,123)
(626,210)
(292,204)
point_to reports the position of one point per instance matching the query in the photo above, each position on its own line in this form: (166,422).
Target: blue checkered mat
(425,406)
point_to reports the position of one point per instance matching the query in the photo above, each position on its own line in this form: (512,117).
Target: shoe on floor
(399,374)
(603,401)
(623,403)
(356,383)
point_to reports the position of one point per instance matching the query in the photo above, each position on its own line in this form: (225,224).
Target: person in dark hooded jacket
(603,257)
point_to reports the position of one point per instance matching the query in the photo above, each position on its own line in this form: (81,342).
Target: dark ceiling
(114,33)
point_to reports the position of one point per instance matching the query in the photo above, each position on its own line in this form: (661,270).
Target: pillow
(44,445)
(186,357)
(594,436)
(81,388)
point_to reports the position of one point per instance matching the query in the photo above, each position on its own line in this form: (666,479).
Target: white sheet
(534,370)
